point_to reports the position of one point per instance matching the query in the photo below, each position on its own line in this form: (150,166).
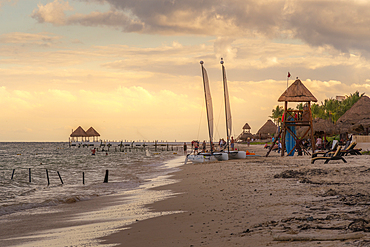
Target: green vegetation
(277,114)
(331,109)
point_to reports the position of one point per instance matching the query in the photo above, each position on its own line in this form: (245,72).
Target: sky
(130,68)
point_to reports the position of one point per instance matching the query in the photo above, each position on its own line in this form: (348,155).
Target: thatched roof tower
(297,92)
(246,128)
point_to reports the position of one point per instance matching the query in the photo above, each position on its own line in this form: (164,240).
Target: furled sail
(227,103)
(208,98)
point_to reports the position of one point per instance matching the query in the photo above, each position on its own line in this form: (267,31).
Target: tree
(333,109)
(277,114)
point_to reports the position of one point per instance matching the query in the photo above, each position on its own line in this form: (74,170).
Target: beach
(260,201)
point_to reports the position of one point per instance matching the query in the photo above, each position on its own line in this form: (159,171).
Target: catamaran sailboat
(232,154)
(204,157)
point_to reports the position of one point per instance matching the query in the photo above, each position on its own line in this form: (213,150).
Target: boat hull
(200,158)
(221,156)
(237,155)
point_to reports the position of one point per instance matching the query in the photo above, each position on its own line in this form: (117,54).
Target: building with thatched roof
(356,118)
(246,128)
(267,130)
(91,132)
(246,133)
(320,127)
(79,132)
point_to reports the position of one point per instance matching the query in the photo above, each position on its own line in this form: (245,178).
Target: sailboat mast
(225,99)
(208,103)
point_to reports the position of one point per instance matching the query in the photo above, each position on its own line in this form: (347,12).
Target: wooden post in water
(13,174)
(60,177)
(29,175)
(83,177)
(47,177)
(106,176)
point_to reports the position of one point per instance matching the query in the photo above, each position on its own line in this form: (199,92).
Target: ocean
(76,176)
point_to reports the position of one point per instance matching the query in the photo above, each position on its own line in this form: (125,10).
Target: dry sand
(259,201)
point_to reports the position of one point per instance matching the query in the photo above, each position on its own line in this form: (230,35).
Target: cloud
(43,39)
(52,12)
(110,18)
(341,24)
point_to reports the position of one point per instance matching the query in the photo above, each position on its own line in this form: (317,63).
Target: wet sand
(259,201)
(81,223)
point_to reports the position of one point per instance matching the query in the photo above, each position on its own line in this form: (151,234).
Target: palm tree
(277,114)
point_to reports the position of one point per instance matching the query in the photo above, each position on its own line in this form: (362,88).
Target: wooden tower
(297,92)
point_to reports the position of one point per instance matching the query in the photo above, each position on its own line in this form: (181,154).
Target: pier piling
(83,177)
(29,175)
(13,174)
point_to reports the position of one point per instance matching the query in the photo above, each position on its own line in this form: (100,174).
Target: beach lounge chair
(336,156)
(351,150)
(327,153)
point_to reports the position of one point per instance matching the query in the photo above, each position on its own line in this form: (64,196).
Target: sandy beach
(260,201)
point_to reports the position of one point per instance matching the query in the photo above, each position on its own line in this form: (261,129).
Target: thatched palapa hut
(357,118)
(91,132)
(324,126)
(246,128)
(320,127)
(246,133)
(85,135)
(79,132)
(267,130)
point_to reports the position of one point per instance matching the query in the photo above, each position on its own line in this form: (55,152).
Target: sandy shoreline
(81,223)
(261,202)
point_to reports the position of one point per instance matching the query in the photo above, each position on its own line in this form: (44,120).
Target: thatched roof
(320,126)
(79,132)
(361,126)
(359,113)
(323,125)
(297,92)
(246,126)
(268,128)
(245,136)
(92,132)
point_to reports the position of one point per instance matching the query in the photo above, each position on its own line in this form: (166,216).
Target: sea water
(128,170)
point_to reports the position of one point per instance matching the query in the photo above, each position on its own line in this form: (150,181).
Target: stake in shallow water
(13,174)
(47,176)
(106,176)
(60,177)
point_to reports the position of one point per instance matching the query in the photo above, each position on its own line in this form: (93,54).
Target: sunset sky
(130,68)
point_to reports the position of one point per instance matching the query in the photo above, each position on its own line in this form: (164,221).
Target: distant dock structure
(85,135)
(90,138)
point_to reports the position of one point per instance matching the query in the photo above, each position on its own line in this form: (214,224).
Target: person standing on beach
(185,147)
(204,146)
(93,151)
(232,142)
(196,147)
